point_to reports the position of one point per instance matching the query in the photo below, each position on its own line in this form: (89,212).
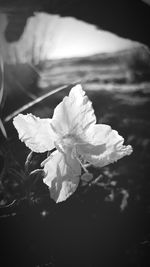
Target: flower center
(68,140)
(65,142)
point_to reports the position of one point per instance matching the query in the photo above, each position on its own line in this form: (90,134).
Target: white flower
(74,133)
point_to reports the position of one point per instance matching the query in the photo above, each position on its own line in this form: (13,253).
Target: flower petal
(97,134)
(74,114)
(105,147)
(35,132)
(62,175)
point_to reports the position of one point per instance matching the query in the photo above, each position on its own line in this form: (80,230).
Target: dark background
(86,230)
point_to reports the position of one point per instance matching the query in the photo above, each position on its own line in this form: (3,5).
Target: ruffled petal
(62,175)
(36,133)
(74,114)
(97,134)
(105,147)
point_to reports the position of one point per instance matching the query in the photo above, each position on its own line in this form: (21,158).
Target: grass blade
(32,103)
(3,129)
(2,80)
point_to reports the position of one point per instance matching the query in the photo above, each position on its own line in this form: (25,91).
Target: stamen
(74,152)
(84,168)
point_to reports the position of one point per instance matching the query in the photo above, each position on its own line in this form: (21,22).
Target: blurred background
(45,48)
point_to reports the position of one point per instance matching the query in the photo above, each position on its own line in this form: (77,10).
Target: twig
(9,205)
